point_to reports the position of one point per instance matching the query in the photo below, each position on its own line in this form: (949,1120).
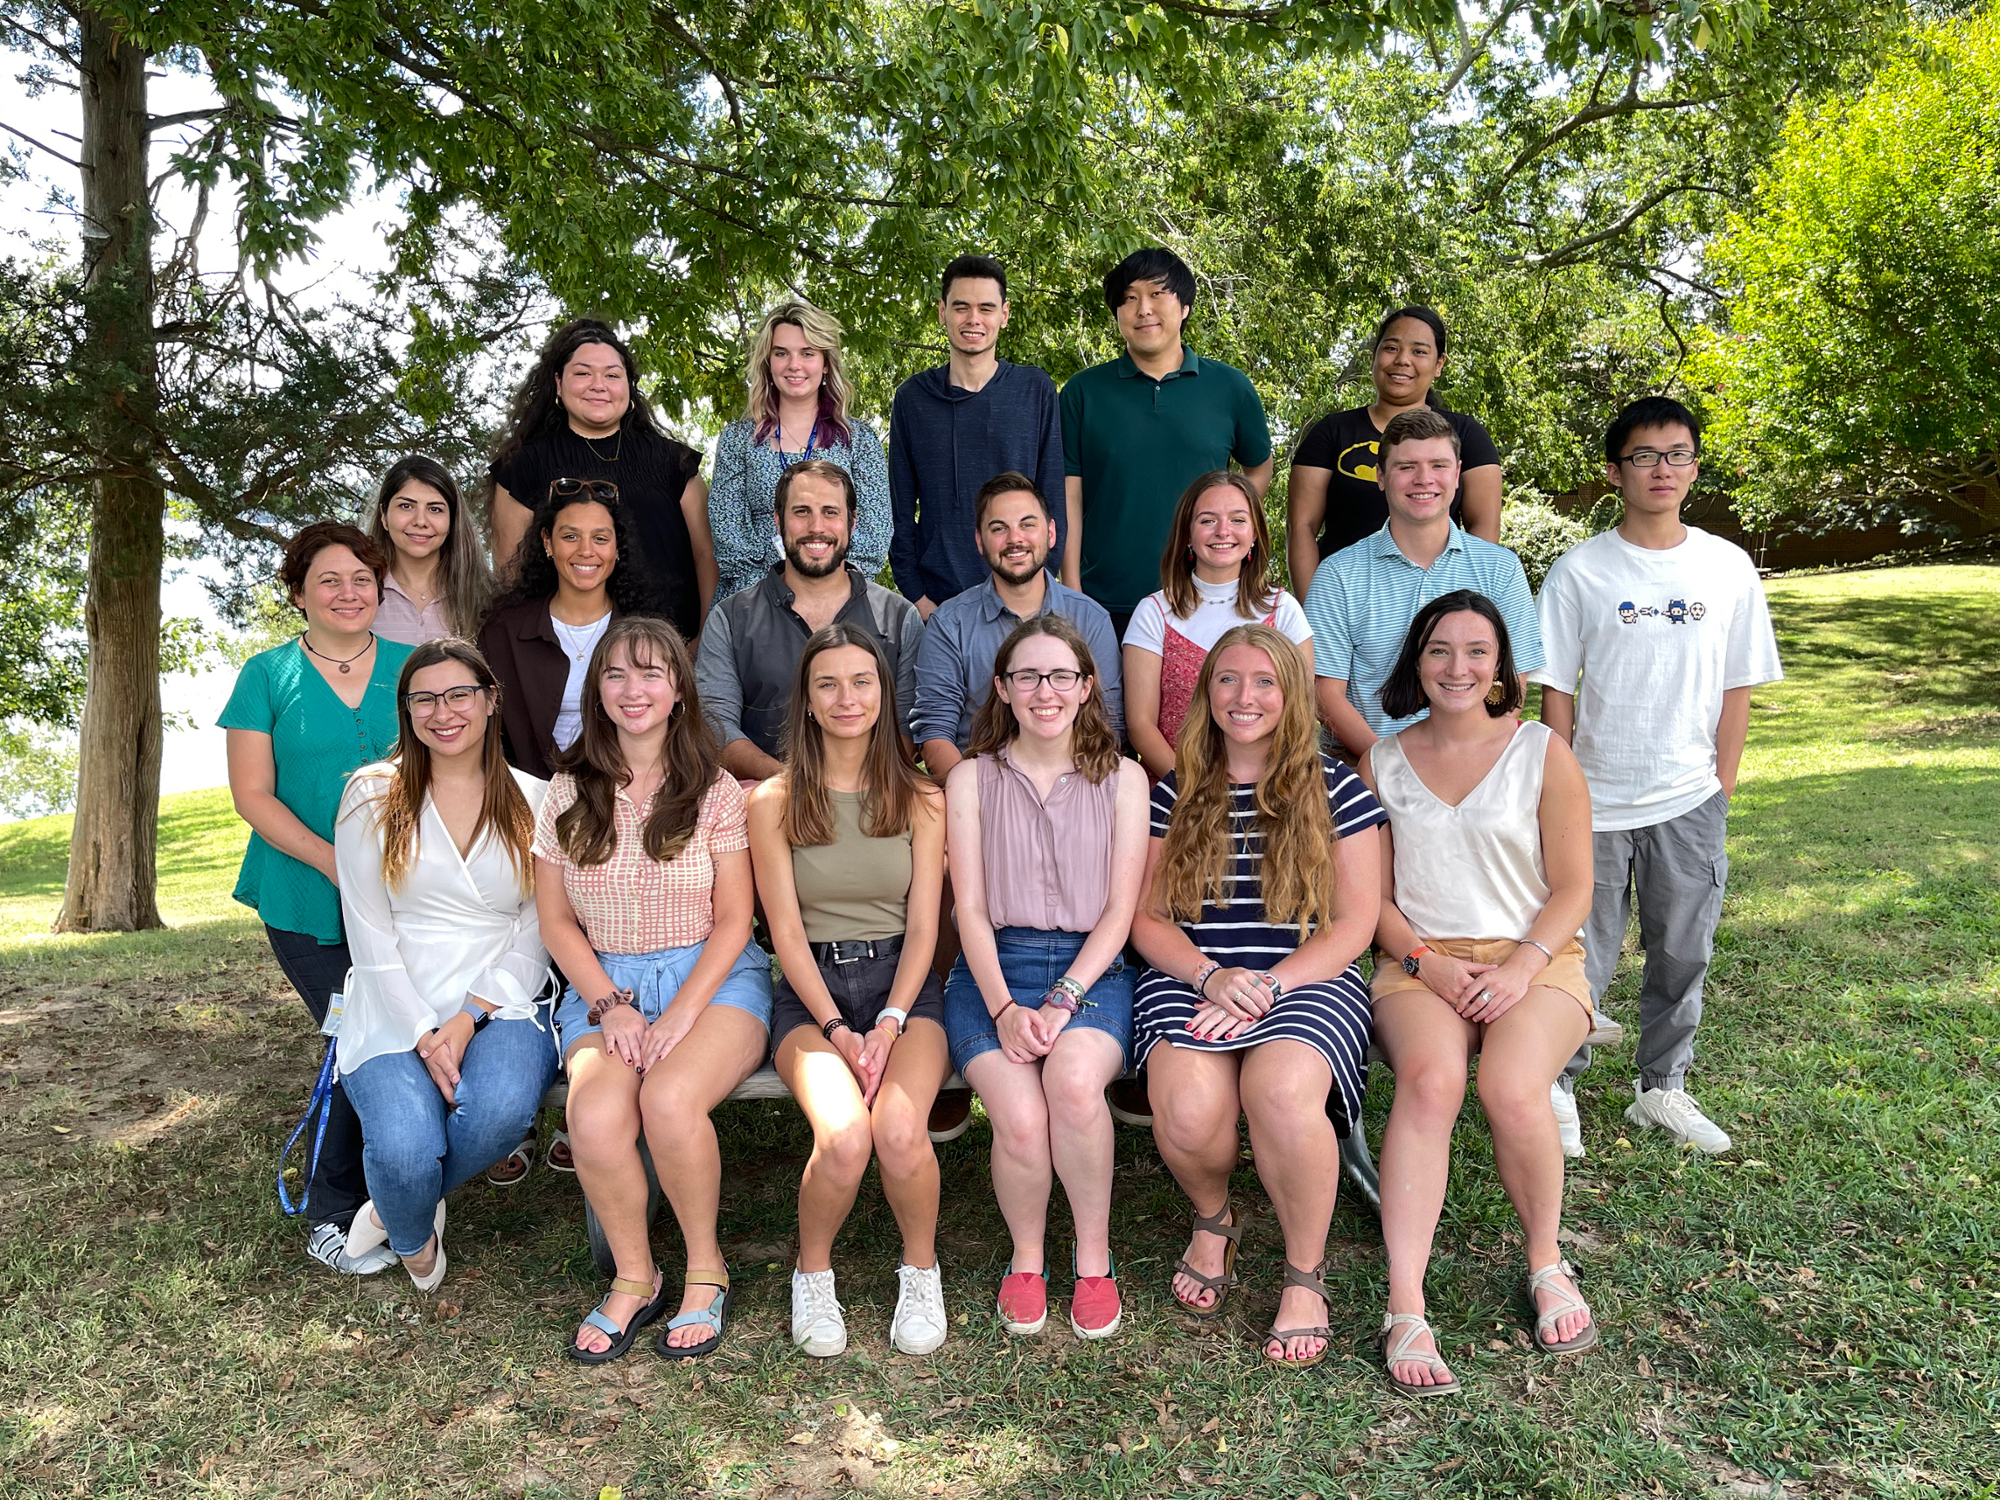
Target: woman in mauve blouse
(445,1048)
(1046,835)
(642,877)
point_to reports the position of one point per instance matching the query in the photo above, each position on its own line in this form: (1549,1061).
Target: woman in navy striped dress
(1263,886)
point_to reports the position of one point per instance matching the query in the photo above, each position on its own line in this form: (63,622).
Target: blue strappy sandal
(621,1338)
(715,1316)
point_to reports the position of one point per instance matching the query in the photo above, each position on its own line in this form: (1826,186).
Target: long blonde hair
(1292,819)
(822,332)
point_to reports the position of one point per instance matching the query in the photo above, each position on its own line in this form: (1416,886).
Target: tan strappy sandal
(1397,1350)
(1544,1280)
(1312,1281)
(1228,1224)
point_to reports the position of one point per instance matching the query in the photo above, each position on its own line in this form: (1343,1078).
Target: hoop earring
(1497,694)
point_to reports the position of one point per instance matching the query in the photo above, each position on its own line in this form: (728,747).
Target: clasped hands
(1480,993)
(639,1044)
(1029,1032)
(866,1056)
(1232,1001)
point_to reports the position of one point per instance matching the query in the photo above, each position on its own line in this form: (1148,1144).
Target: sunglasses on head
(569,489)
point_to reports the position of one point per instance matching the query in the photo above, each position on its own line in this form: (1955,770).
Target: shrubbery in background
(1856,381)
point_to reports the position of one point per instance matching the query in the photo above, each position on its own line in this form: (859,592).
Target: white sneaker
(920,1324)
(1674,1111)
(1568,1125)
(818,1326)
(328,1245)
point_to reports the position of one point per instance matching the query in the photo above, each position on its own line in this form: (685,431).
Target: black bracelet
(828,1029)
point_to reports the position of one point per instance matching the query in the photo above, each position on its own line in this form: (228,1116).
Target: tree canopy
(1855,379)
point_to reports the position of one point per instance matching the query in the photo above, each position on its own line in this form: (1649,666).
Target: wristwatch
(1410,965)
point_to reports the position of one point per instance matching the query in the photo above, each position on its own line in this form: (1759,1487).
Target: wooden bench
(765,1083)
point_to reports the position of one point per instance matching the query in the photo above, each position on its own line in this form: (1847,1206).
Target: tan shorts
(1564,972)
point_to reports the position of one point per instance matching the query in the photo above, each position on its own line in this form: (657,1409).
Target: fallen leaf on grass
(1448,1465)
(800,1439)
(1210,1425)
(1645,1367)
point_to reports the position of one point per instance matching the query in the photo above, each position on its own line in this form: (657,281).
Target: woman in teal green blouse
(302,718)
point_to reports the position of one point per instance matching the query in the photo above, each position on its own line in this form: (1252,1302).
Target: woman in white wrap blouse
(445,1047)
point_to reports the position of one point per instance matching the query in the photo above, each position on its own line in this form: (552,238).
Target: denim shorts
(859,989)
(1031,960)
(655,978)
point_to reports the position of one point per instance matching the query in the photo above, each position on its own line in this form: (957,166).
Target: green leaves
(1856,381)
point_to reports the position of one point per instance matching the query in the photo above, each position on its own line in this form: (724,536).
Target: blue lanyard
(811,437)
(322,1103)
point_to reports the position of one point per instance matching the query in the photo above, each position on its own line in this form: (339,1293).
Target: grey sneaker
(1568,1125)
(1674,1111)
(328,1245)
(818,1325)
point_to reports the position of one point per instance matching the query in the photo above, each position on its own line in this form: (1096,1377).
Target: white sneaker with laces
(920,1323)
(328,1245)
(1674,1111)
(818,1325)
(1568,1125)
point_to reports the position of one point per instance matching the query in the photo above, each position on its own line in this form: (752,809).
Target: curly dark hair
(535,409)
(534,571)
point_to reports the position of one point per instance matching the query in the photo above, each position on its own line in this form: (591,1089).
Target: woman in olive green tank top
(848,845)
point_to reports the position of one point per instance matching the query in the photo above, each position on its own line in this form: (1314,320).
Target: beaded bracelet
(830,1027)
(1202,976)
(1074,990)
(601,1008)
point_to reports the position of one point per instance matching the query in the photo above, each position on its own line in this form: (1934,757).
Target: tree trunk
(114,840)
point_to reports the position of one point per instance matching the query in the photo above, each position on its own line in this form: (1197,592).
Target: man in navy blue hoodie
(953,428)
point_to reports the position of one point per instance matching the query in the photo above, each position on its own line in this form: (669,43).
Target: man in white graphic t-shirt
(1654,634)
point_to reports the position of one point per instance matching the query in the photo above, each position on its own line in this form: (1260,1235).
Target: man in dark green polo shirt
(1140,429)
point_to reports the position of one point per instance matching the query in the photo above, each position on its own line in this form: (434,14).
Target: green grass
(1817,1311)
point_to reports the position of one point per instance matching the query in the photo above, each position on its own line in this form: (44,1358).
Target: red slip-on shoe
(1023,1304)
(1094,1309)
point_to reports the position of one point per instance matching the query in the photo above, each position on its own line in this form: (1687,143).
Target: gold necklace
(616,450)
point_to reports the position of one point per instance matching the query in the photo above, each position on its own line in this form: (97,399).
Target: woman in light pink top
(1046,832)
(438,582)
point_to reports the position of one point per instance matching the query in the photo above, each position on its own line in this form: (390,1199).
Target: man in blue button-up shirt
(1016,529)
(1363,597)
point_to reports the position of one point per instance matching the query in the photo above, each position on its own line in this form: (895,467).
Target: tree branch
(1472,51)
(1627,103)
(1567,254)
(10,26)
(185,117)
(39,146)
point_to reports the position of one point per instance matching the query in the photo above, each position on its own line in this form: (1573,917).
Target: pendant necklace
(344,663)
(617,449)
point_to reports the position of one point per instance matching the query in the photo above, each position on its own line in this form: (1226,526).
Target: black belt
(856,951)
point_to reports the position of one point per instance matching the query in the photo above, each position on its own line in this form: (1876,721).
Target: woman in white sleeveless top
(1486,879)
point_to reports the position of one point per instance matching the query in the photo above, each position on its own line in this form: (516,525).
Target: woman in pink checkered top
(644,890)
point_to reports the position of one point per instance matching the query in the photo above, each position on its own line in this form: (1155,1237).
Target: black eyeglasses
(458,700)
(1062,679)
(597,489)
(1648,458)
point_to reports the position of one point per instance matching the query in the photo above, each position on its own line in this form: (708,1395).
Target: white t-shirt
(578,641)
(1649,641)
(1215,613)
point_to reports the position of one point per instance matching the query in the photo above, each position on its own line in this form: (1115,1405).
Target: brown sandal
(1312,1281)
(1229,1225)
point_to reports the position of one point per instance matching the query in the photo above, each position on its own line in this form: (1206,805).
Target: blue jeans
(418,1148)
(1030,961)
(655,978)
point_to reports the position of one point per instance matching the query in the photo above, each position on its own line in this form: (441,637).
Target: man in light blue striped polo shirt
(1363,597)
